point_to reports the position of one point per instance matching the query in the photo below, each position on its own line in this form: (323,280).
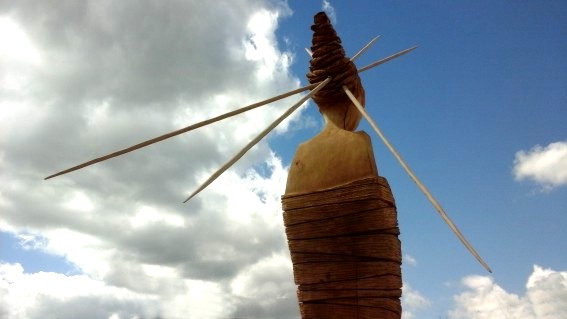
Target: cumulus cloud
(546,297)
(546,166)
(37,295)
(80,79)
(547,292)
(413,302)
(409,260)
(268,277)
(330,11)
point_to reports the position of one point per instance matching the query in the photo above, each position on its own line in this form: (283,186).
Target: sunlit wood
(220,117)
(419,184)
(183,130)
(364,49)
(384,60)
(257,139)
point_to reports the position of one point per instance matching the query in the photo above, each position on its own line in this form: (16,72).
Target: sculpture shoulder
(363,136)
(332,158)
(337,139)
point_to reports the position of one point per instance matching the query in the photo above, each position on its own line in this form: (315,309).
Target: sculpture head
(329,59)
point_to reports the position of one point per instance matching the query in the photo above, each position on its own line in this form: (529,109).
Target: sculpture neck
(345,117)
(341,112)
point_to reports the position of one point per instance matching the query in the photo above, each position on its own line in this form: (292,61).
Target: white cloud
(264,288)
(19,57)
(15,45)
(547,292)
(412,302)
(544,165)
(330,11)
(409,260)
(546,298)
(101,75)
(47,294)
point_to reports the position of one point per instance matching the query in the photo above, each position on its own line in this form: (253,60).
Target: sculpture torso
(337,155)
(334,157)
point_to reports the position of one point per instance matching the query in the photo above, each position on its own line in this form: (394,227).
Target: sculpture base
(345,250)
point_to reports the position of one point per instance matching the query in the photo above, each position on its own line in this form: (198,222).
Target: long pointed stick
(384,60)
(257,139)
(366,47)
(183,130)
(212,120)
(417,181)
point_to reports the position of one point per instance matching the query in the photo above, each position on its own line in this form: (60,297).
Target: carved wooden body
(334,157)
(342,229)
(340,216)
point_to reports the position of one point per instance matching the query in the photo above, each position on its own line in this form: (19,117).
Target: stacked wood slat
(329,60)
(345,250)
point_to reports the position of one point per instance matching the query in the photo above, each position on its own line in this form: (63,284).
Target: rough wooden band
(329,59)
(345,250)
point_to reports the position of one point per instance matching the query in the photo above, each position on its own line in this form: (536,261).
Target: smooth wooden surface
(333,157)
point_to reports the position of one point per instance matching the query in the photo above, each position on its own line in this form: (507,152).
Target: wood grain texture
(345,250)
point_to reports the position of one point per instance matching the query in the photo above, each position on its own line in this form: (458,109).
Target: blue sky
(487,81)
(478,111)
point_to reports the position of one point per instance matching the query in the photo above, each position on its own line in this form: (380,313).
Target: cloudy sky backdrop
(479,112)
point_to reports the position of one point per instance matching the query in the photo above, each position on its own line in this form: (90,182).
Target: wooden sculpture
(340,215)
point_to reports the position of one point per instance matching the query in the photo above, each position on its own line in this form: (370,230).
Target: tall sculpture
(339,214)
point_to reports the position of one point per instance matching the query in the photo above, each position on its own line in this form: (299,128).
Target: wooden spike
(256,140)
(309,52)
(183,130)
(384,60)
(220,117)
(364,49)
(416,180)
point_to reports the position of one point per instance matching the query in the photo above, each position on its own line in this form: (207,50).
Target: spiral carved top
(329,59)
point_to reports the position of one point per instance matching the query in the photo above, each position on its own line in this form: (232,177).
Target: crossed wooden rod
(315,87)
